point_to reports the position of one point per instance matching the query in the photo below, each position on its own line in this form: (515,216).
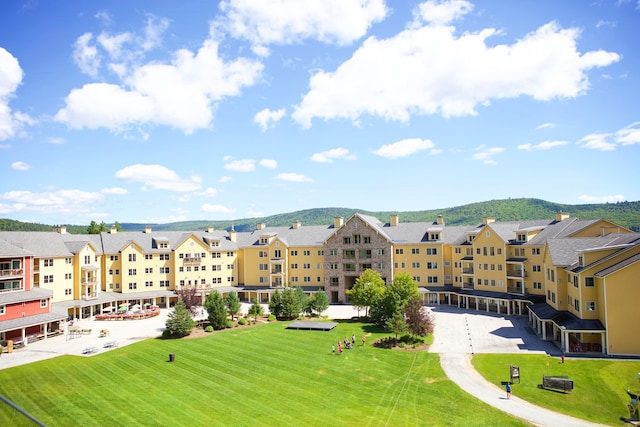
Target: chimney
(394,220)
(440,220)
(338,221)
(60,229)
(232,235)
(296,225)
(260,226)
(113,230)
(488,220)
(147,229)
(209,229)
(561,216)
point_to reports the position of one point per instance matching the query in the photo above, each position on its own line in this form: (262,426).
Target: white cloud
(116,191)
(291,21)
(442,12)
(334,154)
(114,44)
(153,32)
(404,148)
(486,154)
(292,177)
(545,126)
(55,140)
(10,78)
(225,179)
(157,177)
(268,163)
(629,135)
(181,94)
(216,208)
(20,166)
(61,201)
(544,145)
(602,199)
(85,55)
(597,141)
(240,165)
(268,118)
(104,17)
(208,192)
(430,70)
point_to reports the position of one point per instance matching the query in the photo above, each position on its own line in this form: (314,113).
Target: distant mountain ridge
(626,214)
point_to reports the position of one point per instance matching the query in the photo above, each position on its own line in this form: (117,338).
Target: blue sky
(161,111)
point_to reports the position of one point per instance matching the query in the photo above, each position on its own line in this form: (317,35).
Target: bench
(111,344)
(90,350)
(561,383)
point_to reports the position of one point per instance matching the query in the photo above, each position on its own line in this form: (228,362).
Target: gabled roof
(8,249)
(310,235)
(50,243)
(618,266)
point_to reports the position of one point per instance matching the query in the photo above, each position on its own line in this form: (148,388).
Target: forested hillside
(626,214)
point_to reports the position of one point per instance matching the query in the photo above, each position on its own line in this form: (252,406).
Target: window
(148,257)
(477,251)
(68,291)
(432,279)
(294,253)
(535,251)
(306,253)
(434,236)
(265,267)
(364,267)
(588,282)
(67,260)
(433,251)
(132,272)
(230,279)
(164,283)
(113,257)
(399,251)
(416,278)
(458,250)
(3,310)
(164,270)
(320,252)
(381,266)
(216,255)
(415,265)
(306,266)
(576,304)
(67,276)
(87,259)
(335,281)
(203,268)
(519,252)
(133,285)
(229,254)
(333,266)
(229,266)
(148,270)
(164,257)
(44,303)
(277,253)
(537,285)
(367,240)
(349,253)
(493,282)
(575,281)
(48,262)
(346,240)
(263,279)
(499,267)
(357,239)
(132,257)
(48,278)
(536,268)
(265,254)
(492,251)
(365,253)
(307,279)
(484,251)
(379,251)
(333,252)
(148,284)
(590,306)
(432,265)
(415,251)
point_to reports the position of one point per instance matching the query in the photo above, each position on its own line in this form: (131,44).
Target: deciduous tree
(419,320)
(369,287)
(255,310)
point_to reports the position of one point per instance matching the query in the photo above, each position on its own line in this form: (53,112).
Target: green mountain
(626,214)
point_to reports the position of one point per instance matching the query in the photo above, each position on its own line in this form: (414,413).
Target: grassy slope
(599,393)
(264,376)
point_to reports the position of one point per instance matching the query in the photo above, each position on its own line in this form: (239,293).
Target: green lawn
(600,386)
(264,375)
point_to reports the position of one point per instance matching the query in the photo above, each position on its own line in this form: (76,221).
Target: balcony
(90,297)
(468,285)
(13,272)
(516,273)
(467,271)
(191,261)
(518,289)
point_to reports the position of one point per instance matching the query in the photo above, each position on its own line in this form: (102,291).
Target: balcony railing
(11,289)
(89,297)
(516,289)
(13,272)
(516,273)
(191,261)
(467,271)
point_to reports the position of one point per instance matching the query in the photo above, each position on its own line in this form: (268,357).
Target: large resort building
(575,280)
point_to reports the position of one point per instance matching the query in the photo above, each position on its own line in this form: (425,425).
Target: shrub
(242,321)
(166,333)
(271,318)
(229,324)
(208,329)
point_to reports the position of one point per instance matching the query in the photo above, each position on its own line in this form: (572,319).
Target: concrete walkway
(458,334)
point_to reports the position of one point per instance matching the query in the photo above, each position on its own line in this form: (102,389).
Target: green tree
(369,287)
(179,322)
(419,321)
(319,302)
(395,298)
(397,325)
(214,304)
(275,304)
(232,302)
(93,228)
(255,310)
(291,307)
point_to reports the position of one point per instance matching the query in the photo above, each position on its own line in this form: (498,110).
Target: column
(544,331)
(477,305)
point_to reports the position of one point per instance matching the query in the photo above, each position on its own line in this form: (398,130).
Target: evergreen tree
(93,228)
(396,324)
(214,304)
(179,322)
(232,302)
(255,310)
(291,307)
(275,305)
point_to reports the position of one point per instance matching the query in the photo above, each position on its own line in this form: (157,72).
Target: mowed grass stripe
(264,375)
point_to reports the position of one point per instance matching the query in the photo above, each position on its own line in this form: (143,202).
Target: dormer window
(434,236)
(581,260)
(522,237)
(264,240)
(470,238)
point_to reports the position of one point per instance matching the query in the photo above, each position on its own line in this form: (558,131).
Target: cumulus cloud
(268,163)
(216,208)
(486,154)
(208,192)
(430,70)
(629,135)
(291,21)
(268,118)
(544,145)
(61,201)
(405,148)
(597,141)
(442,12)
(55,140)
(10,78)
(157,177)
(181,93)
(20,166)
(240,165)
(116,191)
(334,154)
(602,199)
(225,179)
(292,177)
(603,141)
